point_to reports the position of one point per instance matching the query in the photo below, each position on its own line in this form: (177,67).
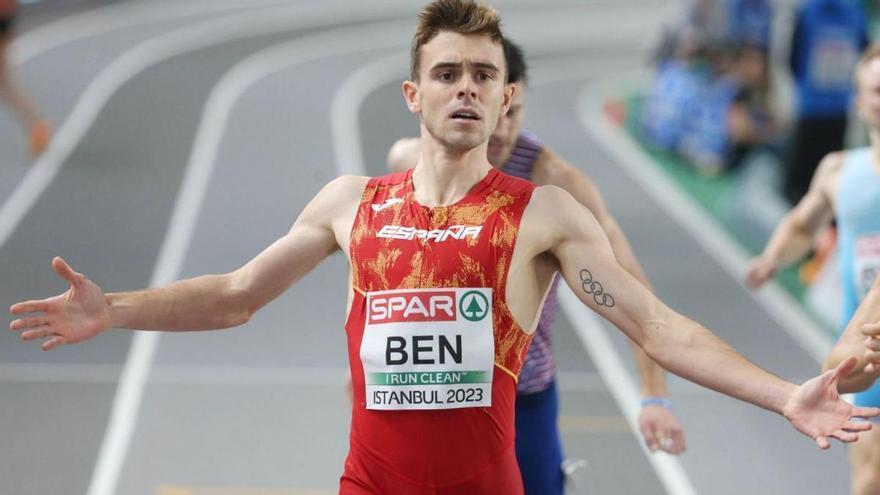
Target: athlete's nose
(467,89)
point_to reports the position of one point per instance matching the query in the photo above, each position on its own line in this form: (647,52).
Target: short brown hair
(459,16)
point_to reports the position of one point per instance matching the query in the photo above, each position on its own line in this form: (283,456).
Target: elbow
(659,343)
(666,340)
(236,306)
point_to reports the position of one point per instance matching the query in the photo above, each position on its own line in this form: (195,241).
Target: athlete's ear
(411,95)
(509,91)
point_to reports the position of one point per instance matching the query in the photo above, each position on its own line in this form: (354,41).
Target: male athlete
(450,264)
(846,186)
(521,154)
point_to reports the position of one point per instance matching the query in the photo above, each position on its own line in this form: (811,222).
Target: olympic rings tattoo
(595,289)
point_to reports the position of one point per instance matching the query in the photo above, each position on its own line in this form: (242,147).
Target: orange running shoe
(39,137)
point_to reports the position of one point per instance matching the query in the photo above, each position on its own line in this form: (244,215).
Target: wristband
(656,401)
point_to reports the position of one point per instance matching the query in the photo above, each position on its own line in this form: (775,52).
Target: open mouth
(464,115)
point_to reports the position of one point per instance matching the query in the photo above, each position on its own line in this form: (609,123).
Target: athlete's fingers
(65,271)
(865,412)
(856,426)
(23,323)
(53,343)
(29,307)
(667,443)
(845,436)
(822,442)
(37,333)
(680,442)
(873,358)
(671,441)
(872,343)
(649,433)
(871,329)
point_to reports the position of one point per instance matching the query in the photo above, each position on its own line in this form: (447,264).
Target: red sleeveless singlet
(433,348)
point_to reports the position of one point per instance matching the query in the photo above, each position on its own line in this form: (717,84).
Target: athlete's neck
(444,176)
(874,136)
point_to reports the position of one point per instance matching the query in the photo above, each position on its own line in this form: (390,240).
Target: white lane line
(781,307)
(154,51)
(347,143)
(108,18)
(345,109)
(621,386)
(221,101)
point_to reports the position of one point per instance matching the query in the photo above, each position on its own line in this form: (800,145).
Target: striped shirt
(539,369)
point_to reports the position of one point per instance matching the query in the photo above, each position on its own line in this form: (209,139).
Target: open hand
(817,410)
(74,316)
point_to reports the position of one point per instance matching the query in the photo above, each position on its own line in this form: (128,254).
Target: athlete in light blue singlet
(858,227)
(847,186)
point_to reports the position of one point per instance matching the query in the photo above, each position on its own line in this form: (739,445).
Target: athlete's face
(504,138)
(868,93)
(461,89)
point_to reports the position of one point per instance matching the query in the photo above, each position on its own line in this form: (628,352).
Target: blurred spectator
(749,23)
(828,37)
(708,101)
(671,100)
(730,118)
(38,129)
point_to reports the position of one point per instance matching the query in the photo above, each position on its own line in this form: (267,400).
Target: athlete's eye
(484,76)
(445,76)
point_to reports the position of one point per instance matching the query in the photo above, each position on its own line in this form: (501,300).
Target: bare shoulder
(338,197)
(828,173)
(549,196)
(553,216)
(346,187)
(830,166)
(403,155)
(552,169)
(550,206)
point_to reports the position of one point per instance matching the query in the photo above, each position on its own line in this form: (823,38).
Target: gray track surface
(263,405)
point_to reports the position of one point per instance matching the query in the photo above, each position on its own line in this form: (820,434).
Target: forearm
(687,349)
(202,303)
(857,381)
(651,374)
(789,243)
(852,343)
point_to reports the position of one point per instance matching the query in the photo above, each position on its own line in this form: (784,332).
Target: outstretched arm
(677,343)
(793,237)
(860,340)
(659,427)
(201,303)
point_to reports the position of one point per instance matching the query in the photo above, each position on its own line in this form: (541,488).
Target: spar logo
(392,307)
(474,305)
(429,305)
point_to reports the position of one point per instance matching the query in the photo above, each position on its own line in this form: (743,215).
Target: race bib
(867,262)
(833,62)
(428,349)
